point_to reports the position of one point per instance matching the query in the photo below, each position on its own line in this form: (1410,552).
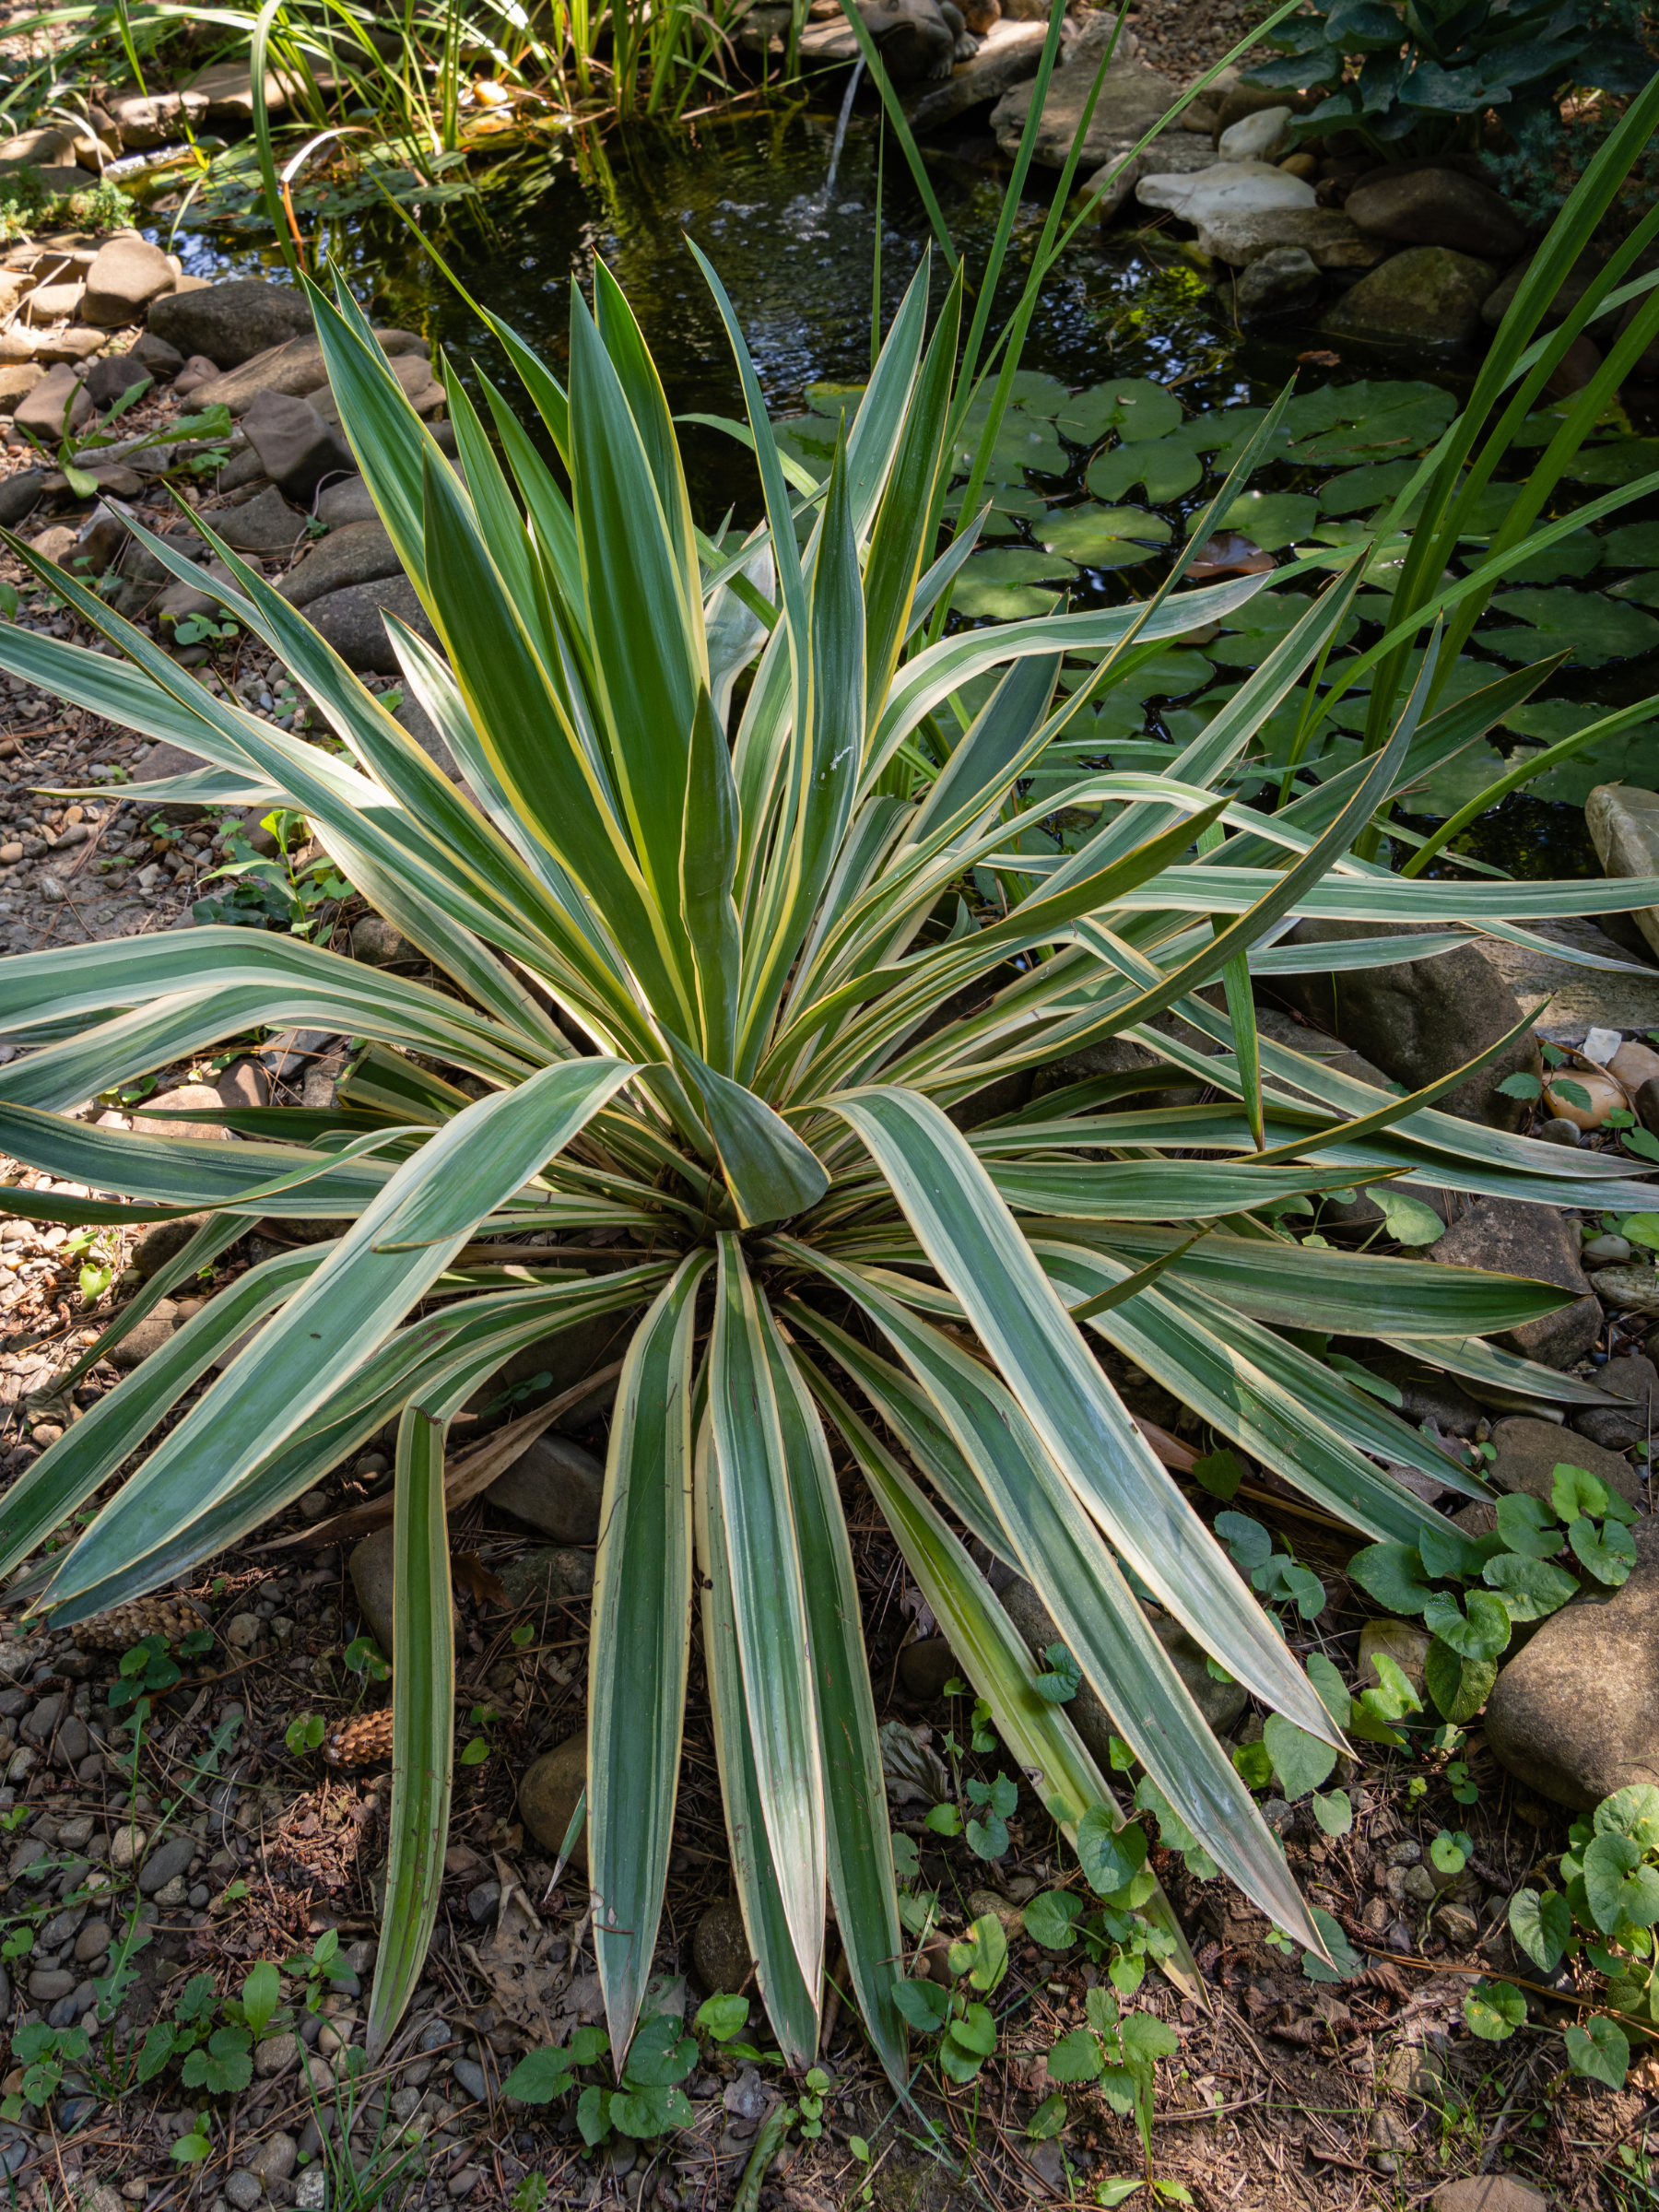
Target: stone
(352,554)
(181,601)
(546,1575)
(48,1983)
(163,1240)
(1575,1713)
(164,1863)
(1437,207)
(350,621)
(379,944)
(126,275)
(346,499)
(926,1667)
(1426,1394)
(1133,98)
(189,1097)
(1578,998)
(43,409)
(556,1486)
(1225,188)
(720,1948)
(554,1364)
(52,303)
(412,716)
(18,380)
(1487,2192)
(107,380)
(1219,1702)
(155,355)
(1260,137)
(1404,1642)
(297,448)
(1426,296)
(370,1566)
(266,524)
(1623,823)
(1284,282)
(548,1793)
(231,323)
(274,2160)
(296,368)
(1419,1019)
(198,370)
(414,372)
(1529,1451)
(1634,1378)
(1514,1238)
(1628,1290)
(146,1337)
(1008,54)
(245,2190)
(276,2054)
(246,1082)
(92,1942)
(20,495)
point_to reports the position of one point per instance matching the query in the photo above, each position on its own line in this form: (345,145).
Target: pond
(795,245)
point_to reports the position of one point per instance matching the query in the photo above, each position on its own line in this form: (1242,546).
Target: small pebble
(470,2075)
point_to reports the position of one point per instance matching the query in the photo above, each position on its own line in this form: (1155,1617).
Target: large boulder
(298,449)
(358,553)
(1133,98)
(125,276)
(1529,1452)
(1575,1713)
(231,323)
(351,622)
(1419,1019)
(1240,236)
(1427,296)
(1437,207)
(1634,1379)
(1224,188)
(1512,1238)
(296,368)
(1623,823)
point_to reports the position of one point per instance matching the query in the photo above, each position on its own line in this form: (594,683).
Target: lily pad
(1599,629)
(1170,676)
(1632,544)
(1167,466)
(1003,585)
(1271,519)
(1357,490)
(1643,589)
(1023,443)
(1134,406)
(1574,556)
(1014,564)
(1619,463)
(1103,537)
(1251,633)
(1630,757)
(1366,421)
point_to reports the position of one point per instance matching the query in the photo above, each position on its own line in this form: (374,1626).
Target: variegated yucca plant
(710,970)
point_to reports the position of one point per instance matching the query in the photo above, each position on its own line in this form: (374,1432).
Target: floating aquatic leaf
(1134,406)
(1619,463)
(1630,757)
(1643,589)
(1598,628)
(1166,466)
(1103,538)
(1631,545)
(1357,490)
(1271,519)
(1574,556)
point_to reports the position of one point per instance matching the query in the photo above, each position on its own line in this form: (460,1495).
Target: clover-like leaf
(1608,1553)
(1110,1853)
(1574,1491)
(1493,2010)
(1541,1924)
(1076,2058)
(1633,1812)
(1392,1575)
(1302,1762)
(1478,1630)
(1620,1888)
(982,1954)
(1050,1919)
(1599,2051)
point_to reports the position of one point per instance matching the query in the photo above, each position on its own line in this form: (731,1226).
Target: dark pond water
(797,253)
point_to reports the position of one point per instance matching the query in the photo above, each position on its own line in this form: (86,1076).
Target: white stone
(1601,1044)
(1225,188)
(1255,137)
(1624,824)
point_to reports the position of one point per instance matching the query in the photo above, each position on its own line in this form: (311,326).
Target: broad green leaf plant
(711,966)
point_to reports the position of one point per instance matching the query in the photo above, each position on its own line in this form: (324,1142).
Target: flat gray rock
(356,553)
(1008,54)
(231,323)
(1426,296)
(1512,1238)
(1133,98)
(1326,233)
(350,621)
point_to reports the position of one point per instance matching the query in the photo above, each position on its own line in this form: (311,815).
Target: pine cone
(124,1626)
(359,1742)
